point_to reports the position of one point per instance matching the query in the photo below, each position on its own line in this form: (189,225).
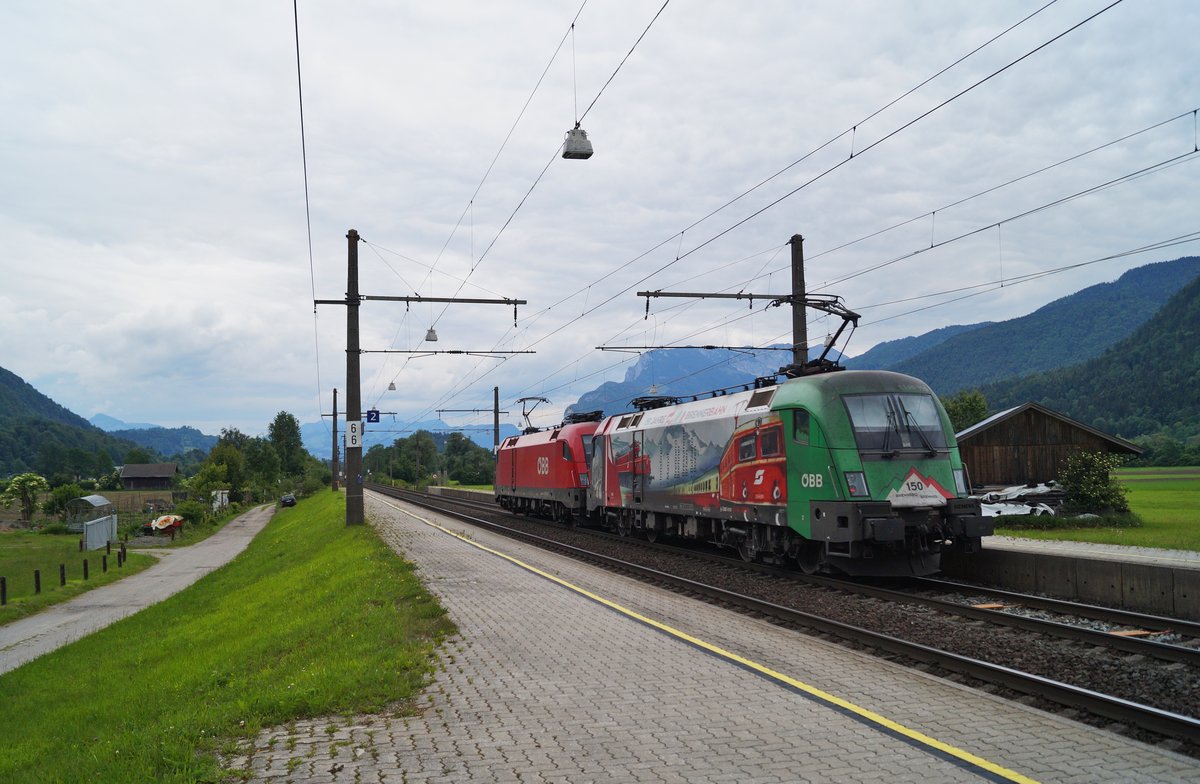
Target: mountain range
(1067,331)
(1121,356)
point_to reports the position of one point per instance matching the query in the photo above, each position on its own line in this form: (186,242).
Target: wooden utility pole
(354,476)
(334,462)
(354,425)
(799,320)
(799,300)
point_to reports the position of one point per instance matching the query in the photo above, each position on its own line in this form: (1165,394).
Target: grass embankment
(22,552)
(314,618)
(1166,499)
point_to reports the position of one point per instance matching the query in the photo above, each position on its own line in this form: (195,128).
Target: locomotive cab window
(566,450)
(895,422)
(800,426)
(746,448)
(769,442)
(589,447)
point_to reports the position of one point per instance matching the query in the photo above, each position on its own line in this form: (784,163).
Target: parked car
(288,500)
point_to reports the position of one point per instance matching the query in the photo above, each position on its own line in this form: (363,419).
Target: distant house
(148,476)
(1029,444)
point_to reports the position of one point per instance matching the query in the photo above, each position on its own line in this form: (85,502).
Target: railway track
(990,646)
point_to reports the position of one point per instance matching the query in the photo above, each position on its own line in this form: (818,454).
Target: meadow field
(1166,499)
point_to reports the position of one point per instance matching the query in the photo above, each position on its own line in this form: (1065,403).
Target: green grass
(1166,499)
(21,552)
(314,618)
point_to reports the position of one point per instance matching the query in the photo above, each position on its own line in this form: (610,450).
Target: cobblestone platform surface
(548,684)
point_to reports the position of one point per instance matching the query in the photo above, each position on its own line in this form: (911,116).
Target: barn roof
(1119,443)
(149,470)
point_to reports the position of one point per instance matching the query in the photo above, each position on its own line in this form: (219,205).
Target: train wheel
(651,535)
(808,558)
(624,526)
(747,550)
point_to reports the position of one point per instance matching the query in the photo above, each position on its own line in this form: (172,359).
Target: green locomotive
(855,472)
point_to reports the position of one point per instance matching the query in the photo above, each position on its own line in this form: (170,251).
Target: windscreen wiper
(910,422)
(893,424)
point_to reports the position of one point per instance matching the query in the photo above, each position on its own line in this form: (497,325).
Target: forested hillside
(1143,385)
(168,440)
(37,434)
(893,352)
(1063,333)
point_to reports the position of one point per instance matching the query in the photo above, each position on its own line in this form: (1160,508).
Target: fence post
(37,581)
(3,591)
(108,547)
(62,575)
(104,563)
(85,569)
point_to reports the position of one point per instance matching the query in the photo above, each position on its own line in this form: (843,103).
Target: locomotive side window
(746,448)
(769,442)
(566,450)
(589,446)
(800,426)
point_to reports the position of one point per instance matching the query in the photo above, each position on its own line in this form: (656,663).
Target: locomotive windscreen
(894,422)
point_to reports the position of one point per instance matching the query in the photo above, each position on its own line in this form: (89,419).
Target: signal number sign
(354,435)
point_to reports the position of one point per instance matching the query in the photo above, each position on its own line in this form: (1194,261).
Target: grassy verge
(22,552)
(314,618)
(1166,499)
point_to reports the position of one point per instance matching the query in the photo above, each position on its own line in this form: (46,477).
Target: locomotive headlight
(960,481)
(856,481)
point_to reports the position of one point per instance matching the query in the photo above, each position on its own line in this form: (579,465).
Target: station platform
(562,672)
(1140,579)
(1172,559)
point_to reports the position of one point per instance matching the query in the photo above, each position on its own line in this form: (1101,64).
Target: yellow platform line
(954,754)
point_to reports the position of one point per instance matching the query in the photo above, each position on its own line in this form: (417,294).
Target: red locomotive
(545,472)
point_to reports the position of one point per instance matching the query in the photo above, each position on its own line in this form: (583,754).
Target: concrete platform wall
(1169,592)
(458,492)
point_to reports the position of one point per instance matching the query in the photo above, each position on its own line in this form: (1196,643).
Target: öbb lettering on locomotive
(855,472)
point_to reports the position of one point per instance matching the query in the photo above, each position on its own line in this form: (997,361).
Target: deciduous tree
(23,489)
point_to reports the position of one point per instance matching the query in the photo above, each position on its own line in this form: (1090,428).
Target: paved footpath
(59,624)
(546,683)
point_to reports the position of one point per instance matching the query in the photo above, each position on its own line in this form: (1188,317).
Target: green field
(1166,499)
(313,619)
(22,552)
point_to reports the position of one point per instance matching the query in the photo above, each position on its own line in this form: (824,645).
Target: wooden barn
(1029,444)
(148,476)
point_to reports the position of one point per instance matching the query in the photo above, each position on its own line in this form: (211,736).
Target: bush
(1090,485)
(1066,522)
(192,512)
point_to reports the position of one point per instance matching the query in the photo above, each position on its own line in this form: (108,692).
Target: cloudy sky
(156,262)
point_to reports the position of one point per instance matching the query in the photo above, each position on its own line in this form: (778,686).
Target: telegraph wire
(986,191)
(1152,169)
(812,180)
(896,131)
(996,285)
(679,234)
(554,157)
(879,141)
(673,236)
(312,275)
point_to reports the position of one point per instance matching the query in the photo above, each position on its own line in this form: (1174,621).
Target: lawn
(314,618)
(22,552)
(1167,500)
